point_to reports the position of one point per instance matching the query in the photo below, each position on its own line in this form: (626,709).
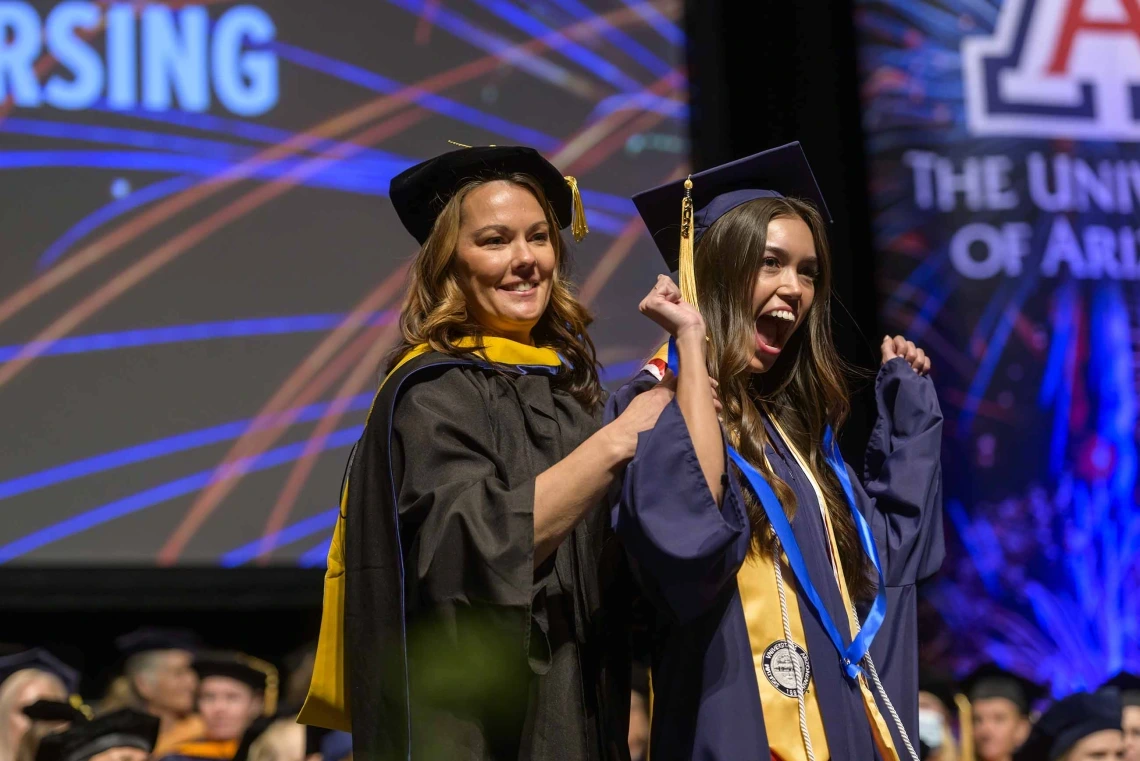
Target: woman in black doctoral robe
(475,601)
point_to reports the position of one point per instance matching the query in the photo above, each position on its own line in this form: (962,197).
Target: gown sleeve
(467,534)
(686,547)
(902,484)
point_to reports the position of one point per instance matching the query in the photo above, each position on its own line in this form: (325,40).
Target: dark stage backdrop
(1005,180)
(199,267)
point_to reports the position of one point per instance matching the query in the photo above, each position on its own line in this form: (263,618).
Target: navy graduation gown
(687,551)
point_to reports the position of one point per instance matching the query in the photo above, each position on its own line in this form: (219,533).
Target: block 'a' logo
(1056,68)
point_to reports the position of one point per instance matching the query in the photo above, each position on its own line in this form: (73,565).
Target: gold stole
(879,729)
(760,599)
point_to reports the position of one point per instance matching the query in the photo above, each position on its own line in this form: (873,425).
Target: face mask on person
(930,728)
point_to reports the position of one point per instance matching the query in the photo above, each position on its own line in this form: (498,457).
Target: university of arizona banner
(1005,177)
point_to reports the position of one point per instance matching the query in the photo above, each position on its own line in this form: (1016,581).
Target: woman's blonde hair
(435,312)
(12,687)
(805,392)
(284,740)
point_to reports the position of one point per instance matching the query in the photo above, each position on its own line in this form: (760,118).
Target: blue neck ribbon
(850,656)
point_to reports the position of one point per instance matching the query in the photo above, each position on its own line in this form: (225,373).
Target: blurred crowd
(173,699)
(995,715)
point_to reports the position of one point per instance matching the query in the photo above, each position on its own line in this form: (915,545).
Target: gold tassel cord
(578,225)
(965,728)
(272,682)
(77,703)
(685,265)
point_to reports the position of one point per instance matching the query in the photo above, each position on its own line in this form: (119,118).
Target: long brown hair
(435,311)
(806,390)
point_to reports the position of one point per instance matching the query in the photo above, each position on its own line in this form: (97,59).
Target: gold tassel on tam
(686,274)
(965,728)
(578,225)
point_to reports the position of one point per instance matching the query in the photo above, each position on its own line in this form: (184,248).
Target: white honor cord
(801,688)
(870,666)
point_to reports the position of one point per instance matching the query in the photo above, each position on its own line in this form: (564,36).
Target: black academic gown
(455,647)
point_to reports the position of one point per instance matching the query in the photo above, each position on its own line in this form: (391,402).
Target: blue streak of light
(330,176)
(202,331)
(490,43)
(587,59)
(102,216)
(617,37)
(643,101)
(994,351)
(659,22)
(258,133)
(606,202)
(161,447)
(445,106)
(163,493)
(1056,384)
(134,138)
(317,557)
(288,535)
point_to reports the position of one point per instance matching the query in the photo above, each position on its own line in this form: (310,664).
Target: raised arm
(903,467)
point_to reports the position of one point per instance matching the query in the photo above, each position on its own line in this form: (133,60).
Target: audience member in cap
(1080,727)
(234,689)
(936,713)
(1000,703)
(465,609)
(745,664)
(158,678)
(1128,685)
(123,735)
(25,678)
(48,717)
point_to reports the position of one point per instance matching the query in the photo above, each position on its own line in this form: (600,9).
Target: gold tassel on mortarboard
(272,683)
(578,225)
(77,703)
(686,274)
(965,728)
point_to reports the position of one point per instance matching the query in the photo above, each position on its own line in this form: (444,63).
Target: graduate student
(1000,704)
(1128,686)
(1079,727)
(27,677)
(766,554)
(473,603)
(122,735)
(158,678)
(234,690)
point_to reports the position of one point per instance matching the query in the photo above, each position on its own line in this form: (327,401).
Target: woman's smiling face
(505,259)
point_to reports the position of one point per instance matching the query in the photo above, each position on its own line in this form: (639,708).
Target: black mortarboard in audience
(126,728)
(41,660)
(990,681)
(1067,722)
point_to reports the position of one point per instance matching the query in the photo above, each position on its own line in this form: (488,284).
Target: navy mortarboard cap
(419,193)
(781,172)
(1068,721)
(258,674)
(1128,685)
(992,681)
(41,660)
(126,728)
(149,639)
